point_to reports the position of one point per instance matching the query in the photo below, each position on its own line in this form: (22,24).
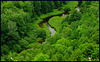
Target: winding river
(52,30)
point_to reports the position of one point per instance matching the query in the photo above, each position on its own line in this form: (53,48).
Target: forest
(49,30)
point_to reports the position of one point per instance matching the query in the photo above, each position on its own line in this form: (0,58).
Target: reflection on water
(77,8)
(53,31)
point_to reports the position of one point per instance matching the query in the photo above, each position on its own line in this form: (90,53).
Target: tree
(88,2)
(94,53)
(95,37)
(84,6)
(16,48)
(75,15)
(10,43)
(65,42)
(41,57)
(23,43)
(28,56)
(52,5)
(53,39)
(17,4)
(45,7)
(75,44)
(74,34)
(91,11)
(87,48)
(13,56)
(4,29)
(45,48)
(65,21)
(54,58)
(83,39)
(76,55)
(41,33)
(12,30)
(57,4)
(57,57)
(66,56)
(4,49)
(61,3)
(64,2)
(66,9)
(66,32)
(50,52)
(37,7)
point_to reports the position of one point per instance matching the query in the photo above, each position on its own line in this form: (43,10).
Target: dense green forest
(25,36)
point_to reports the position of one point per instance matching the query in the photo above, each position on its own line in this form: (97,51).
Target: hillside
(49,30)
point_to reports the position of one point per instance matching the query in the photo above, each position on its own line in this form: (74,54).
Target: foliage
(23,43)
(76,39)
(17,20)
(41,57)
(4,49)
(75,15)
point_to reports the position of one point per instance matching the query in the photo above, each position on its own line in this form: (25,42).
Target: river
(52,30)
